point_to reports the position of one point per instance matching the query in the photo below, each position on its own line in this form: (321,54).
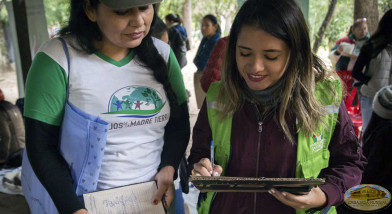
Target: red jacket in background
(212,70)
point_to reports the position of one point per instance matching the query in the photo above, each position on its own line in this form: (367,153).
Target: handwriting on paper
(132,199)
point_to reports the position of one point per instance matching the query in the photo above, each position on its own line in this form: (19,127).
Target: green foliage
(220,8)
(384,5)
(170,6)
(341,20)
(224,10)
(4,14)
(57,12)
(339,25)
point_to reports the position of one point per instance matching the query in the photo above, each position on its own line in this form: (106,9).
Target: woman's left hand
(165,186)
(315,198)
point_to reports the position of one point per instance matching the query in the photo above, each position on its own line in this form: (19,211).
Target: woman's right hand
(204,168)
(81,211)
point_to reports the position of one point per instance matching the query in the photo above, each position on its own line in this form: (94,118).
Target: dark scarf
(269,97)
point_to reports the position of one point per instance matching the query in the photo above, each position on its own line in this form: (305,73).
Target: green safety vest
(312,152)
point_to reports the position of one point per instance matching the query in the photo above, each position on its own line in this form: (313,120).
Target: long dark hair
(284,20)
(174,17)
(80,26)
(86,32)
(214,21)
(383,35)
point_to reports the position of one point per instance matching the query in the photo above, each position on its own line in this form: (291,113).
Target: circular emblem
(135,101)
(367,197)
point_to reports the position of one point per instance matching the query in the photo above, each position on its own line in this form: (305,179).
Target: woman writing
(276,113)
(111,88)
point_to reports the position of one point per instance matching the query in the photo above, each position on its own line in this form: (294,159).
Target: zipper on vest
(260,129)
(260,119)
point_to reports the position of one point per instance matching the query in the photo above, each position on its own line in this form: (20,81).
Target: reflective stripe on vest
(312,152)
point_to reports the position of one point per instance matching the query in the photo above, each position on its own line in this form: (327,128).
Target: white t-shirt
(126,95)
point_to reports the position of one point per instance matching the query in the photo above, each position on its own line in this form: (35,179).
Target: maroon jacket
(278,158)
(211,72)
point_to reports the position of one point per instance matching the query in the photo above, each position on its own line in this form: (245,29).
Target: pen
(212,155)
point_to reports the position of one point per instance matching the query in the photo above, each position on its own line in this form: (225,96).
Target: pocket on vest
(312,167)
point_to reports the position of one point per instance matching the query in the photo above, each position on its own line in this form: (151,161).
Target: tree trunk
(367,9)
(324,25)
(187,19)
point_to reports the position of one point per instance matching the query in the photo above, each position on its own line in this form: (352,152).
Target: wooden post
(22,32)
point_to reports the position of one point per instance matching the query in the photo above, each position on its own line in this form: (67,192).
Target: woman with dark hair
(211,32)
(276,113)
(105,107)
(160,31)
(175,21)
(177,38)
(376,58)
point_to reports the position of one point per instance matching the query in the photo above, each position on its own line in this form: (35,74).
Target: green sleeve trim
(175,78)
(45,94)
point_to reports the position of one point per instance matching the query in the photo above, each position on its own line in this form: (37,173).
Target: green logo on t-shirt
(135,101)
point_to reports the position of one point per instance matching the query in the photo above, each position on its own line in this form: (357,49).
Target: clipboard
(131,199)
(247,184)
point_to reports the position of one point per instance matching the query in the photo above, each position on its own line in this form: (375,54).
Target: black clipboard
(247,184)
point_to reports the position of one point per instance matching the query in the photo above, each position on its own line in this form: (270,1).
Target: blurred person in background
(160,31)
(211,32)
(352,43)
(212,71)
(345,53)
(177,37)
(377,144)
(373,68)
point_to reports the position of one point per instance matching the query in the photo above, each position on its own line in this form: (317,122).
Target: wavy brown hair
(284,20)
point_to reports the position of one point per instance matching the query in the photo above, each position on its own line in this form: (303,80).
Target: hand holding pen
(207,167)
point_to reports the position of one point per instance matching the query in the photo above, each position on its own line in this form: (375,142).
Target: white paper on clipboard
(132,199)
(347,47)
